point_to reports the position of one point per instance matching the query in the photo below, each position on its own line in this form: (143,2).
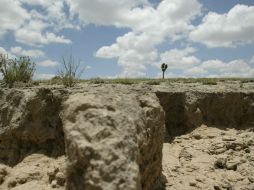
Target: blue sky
(131,38)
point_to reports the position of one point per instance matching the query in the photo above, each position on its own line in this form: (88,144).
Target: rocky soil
(210,158)
(110,136)
(35,172)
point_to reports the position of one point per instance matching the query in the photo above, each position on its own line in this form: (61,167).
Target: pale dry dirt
(210,158)
(110,136)
(35,172)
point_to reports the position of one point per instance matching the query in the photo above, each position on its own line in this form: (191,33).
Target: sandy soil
(210,158)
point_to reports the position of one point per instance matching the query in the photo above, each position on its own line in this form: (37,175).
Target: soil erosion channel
(129,137)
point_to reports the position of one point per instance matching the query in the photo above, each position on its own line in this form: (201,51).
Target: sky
(132,38)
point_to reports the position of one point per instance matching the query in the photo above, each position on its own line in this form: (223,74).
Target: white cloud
(171,19)
(226,30)
(252,60)
(37,25)
(235,68)
(132,54)
(88,67)
(112,12)
(180,59)
(33,34)
(195,72)
(47,63)
(31,53)
(43,76)
(182,63)
(12,16)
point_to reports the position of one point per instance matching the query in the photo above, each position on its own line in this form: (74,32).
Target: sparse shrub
(153,82)
(124,81)
(209,81)
(16,70)
(97,81)
(70,71)
(55,80)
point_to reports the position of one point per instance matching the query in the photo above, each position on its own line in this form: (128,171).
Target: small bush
(209,81)
(56,80)
(124,81)
(70,71)
(97,81)
(16,70)
(153,82)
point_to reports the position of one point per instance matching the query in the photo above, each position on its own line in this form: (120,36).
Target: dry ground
(210,158)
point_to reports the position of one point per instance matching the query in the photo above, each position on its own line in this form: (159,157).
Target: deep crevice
(37,130)
(185,111)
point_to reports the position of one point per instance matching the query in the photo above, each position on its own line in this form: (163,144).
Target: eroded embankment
(112,139)
(210,140)
(30,123)
(104,136)
(187,110)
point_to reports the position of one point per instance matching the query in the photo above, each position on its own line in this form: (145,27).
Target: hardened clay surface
(132,137)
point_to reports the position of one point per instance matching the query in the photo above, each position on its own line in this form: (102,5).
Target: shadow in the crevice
(161,183)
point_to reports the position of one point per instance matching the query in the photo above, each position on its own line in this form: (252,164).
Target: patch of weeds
(19,70)
(208,81)
(56,80)
(153,82)
(124,81)
(70,71)
(97,81)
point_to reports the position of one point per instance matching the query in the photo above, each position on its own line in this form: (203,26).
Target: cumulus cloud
(132,54)
(180,59)
(185,64)
(12,16)
(36,25)
(19,51)
(226,30)
(150,26)
(43,76)
(47,63)
(252,60)
(235,68)
(33,34)
(112,12)
(195,72)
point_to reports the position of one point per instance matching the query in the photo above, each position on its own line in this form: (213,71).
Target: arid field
(179,134)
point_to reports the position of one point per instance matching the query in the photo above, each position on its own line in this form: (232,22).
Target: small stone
(251,179)
(12,183)
(216,187)
(197,136)
(200,179)
(3,173)
(220,163)
(54,184)
(231,166)
(1,179)
(228,186)
(192,183)
(211,136)
(52,173)
(60,178)
(242,160)
(228,138)
(247,150)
